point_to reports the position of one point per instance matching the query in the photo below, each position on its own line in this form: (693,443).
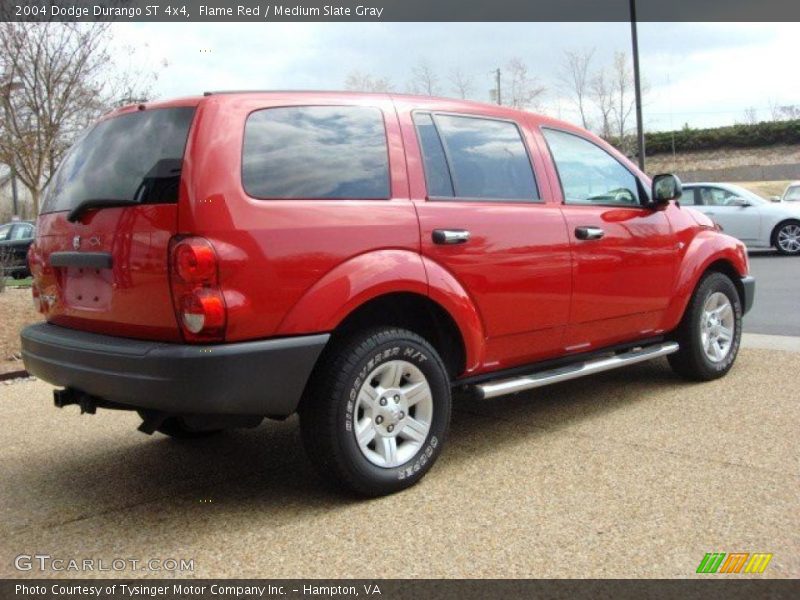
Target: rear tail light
(196,293)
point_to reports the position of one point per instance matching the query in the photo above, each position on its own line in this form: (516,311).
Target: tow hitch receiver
(69,396)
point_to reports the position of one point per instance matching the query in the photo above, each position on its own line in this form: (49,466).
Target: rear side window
(5,232)
(589,174)
(22,232)
(331,152)
(135,157)
(487,158)
(437,175)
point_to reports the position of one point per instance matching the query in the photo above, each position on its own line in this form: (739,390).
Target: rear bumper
(263,378)
(749,289)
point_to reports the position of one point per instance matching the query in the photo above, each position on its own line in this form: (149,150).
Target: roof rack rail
(214,92)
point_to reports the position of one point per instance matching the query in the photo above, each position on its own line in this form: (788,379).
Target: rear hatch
(100,260)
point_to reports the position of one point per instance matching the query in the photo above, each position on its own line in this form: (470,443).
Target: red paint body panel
(133,298)
(522,289)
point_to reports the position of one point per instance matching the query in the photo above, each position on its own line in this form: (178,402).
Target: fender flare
(368,276)
(705,249)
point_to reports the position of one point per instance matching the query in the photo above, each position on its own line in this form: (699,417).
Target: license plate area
(88,288)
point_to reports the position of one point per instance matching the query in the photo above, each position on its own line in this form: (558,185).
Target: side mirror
(741,202)
(775,198)
(666,187)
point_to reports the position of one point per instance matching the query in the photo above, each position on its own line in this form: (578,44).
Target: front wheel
(787,238)
(710,332)
(377,411)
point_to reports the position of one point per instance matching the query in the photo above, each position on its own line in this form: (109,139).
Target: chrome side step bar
(513,385)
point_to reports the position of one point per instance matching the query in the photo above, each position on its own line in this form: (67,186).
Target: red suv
(356,258)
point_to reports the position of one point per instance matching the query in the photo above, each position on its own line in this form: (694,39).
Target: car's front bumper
(263,378)
(749,293)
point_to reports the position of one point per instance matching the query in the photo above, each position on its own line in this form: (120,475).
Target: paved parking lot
(777,307)
(631,473)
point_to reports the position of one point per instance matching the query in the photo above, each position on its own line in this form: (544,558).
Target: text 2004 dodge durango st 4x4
(215,260)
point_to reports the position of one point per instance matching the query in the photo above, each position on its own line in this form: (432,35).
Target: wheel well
(416,313)
(726,268)
(774,235)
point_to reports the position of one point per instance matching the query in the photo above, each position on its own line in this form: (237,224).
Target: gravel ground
(632,473)
(16,311)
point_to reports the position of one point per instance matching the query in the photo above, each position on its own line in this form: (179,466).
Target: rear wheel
(377,411)
(786,238)
(710,332)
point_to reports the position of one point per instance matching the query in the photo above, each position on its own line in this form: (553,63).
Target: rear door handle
(589,233)
(450,236)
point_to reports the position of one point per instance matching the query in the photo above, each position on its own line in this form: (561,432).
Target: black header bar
(187,11)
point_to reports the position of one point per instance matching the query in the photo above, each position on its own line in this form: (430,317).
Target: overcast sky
(697,73)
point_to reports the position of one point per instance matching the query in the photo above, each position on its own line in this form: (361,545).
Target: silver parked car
(747,216)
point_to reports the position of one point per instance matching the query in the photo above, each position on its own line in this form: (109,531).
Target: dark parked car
(15,239)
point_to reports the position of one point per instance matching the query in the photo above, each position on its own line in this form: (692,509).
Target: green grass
(18,283)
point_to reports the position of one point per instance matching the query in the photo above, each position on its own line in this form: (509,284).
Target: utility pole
(497,79)
(637,85)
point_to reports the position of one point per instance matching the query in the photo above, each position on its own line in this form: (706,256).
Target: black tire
(175,427)
(786,225)
(330,408)
(20,275)
(691,360)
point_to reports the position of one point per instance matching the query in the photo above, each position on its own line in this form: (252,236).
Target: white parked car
(747,216)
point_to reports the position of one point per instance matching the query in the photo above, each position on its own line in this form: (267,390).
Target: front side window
(688,197)
(589,174)
(712,196)
(330,152)
(487,158)
(792,194)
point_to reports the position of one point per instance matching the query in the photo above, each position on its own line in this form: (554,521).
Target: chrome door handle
(450,236)
(589,233)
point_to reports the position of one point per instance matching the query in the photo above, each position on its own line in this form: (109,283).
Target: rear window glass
(331,152)
(135,157)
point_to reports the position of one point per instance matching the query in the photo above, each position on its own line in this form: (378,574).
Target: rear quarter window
(309,152)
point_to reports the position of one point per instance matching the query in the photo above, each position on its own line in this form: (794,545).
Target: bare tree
(424,80)
(783,112)
(576,79)
(750,115)
(624,96)
(462,83)
(520,90)
(603,98)
(364,82)
(55,79)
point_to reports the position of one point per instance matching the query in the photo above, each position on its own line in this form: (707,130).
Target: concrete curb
(786,343)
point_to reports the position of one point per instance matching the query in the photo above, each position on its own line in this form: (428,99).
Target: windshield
(792,194)
(135,157)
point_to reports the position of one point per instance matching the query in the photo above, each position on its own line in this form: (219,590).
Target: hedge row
(735,136)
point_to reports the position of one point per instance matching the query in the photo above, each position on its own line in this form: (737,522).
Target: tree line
(56,79)
(601,94)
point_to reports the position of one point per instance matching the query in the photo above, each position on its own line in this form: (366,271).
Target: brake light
(196,293)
